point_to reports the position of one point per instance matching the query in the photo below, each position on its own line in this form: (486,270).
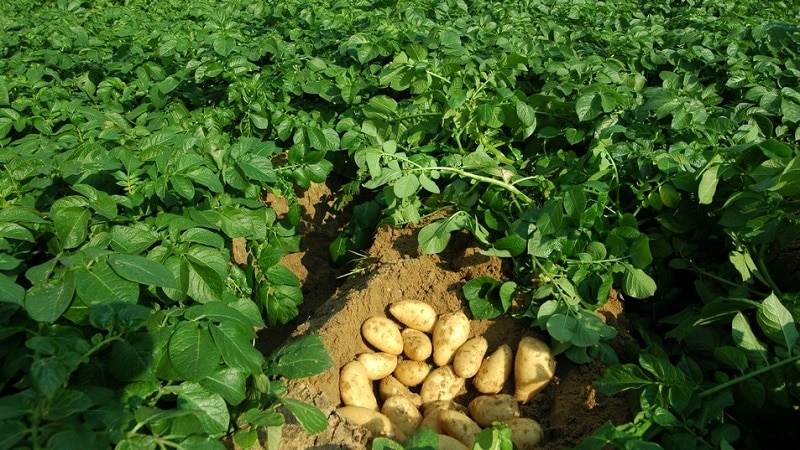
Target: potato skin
(526,434)
(486,409)
(459,426)
(441,384)
(449,333)
(416,344)
(411,373)
(414,314)
(378,365)
(495,371)
(355,387)
(450,443)
(383,334)
(534,367)
(375,422)
(390,386)
(469,356)
(403,414)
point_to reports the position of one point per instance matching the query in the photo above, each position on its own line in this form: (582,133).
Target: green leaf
(12,230)
(46,303)
(622,378)
(210,408)
(205,283)
(131,360)
(235,345)
(777,322)
(384,443)
(142,270)
(228,382)
(281,302)
(638,284)
(257,167)
(11,432)
(641,256)
(708,184)
(588,106)
(561,327)
(310,417)
(424,438)
(745,339)
(731,356)
(192,351)
(11,292)
(304,357)
(525,113)
(70,225)
(406,186)
(433,238)
(496,437)
(48,376)
(100,284)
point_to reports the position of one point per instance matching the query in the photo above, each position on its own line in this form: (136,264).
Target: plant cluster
(646,148)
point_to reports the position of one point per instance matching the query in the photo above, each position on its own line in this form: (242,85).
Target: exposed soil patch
(569,408)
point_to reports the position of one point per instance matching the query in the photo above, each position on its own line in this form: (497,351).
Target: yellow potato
(526,434)
(469,356)
(432,421)
(441,384)
(449,443)
(458,425)
(390,386)
(355,387)
(495,371)
(414,314)
(378,365)
(383,334)
(486,409)
(410,372)
(416,344)
(534,367)
(403,414)
(375,422)
(449,333)
(430,407)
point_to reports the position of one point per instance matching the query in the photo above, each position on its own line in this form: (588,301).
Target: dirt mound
(569,408)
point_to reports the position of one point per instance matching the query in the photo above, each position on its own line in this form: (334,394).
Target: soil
(569,409)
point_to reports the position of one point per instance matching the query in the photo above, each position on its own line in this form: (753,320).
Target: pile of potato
(422,365)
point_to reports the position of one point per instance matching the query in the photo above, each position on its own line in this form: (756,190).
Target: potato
(416,344)
(414,314)
(469,356)
(526,434)
(390,386)
(486,409)
(410,372)
(534,367)
(383,334)
(449,443)
(378,365)
(495,371)
(375,422)
(441,384)
(430,407)
(355,387)
(432,421)
(403,414)
(459,426)
(449,333)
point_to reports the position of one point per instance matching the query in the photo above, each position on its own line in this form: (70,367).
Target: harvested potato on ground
(430,407)
(355,387)
(375,422)
(403,414)
(391,386)
(459,426)
(432,421)
(495,371)
(416,344)
(414,314)
(449,333)
(534,367)
(383,334)
(378,365)
(469,356)
(526,434)
(449,443)
(410,372)
(441,384)
(486,409)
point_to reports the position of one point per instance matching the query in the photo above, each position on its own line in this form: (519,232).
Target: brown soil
(569,409)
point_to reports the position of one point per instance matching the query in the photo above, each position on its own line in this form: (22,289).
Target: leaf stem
(747,376)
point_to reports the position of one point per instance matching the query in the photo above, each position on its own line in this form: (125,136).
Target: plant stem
(747,376)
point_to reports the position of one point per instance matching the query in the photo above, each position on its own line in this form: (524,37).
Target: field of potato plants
(642,150)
